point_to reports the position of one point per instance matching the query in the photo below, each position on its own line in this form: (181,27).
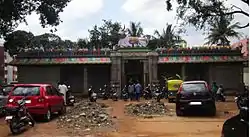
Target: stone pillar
(113,68)
(123,81)
(85,80)
(153,67)
(116,70)
(145,73)
(119,74)
(183,71)
(150,69)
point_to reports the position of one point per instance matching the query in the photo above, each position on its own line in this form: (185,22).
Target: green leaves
(17,40)
(13,12)
(221,30)
(135,29)
(168,37)
(105,36)
(200,13)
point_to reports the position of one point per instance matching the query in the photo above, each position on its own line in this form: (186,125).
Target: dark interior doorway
(134,71)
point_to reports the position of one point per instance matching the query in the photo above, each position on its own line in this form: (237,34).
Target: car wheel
(47,116)
(212,111)
(179,112)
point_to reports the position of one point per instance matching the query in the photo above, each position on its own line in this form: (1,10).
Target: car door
(57,98)
(51,98)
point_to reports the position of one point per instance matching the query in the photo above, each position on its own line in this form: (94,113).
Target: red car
(41,99)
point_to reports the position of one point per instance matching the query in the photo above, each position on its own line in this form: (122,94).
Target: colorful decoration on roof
(198,50)
(201,59)
(243,45)
(54,61)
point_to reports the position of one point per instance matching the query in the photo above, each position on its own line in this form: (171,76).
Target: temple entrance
(133,71)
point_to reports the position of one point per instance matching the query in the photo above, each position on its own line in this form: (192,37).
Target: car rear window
(191,87)
(26,91)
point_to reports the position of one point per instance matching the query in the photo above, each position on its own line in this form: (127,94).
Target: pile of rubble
(85,115)
(146,109)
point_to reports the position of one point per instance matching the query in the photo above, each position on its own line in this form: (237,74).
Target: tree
(221,30)
(135,29)
(113,32)
(168,37)
(68,44)
(47,41)
(82,43)
(17,41)
(200,13)
(106,35)
(13,12)
(95,37)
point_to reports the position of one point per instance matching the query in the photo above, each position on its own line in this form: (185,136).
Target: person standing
(131,89)
(63,89)
(138,91)
(214,88)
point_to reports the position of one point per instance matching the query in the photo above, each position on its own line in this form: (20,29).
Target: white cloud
(153,15)
(73,16)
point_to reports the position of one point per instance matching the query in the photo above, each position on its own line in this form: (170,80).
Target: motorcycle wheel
(13,128)
(31,120)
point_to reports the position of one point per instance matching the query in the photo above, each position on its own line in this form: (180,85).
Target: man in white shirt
(63,89)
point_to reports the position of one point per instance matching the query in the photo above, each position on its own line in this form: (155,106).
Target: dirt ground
(126,126)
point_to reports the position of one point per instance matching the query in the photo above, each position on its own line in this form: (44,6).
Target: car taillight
(40,100)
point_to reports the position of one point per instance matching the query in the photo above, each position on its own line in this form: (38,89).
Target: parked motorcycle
(238,126)
(19,118)
(70,99)
(157,94)
(93,97)
(104,92)
(147,93)
(125,95)
(115,96)
(220,97)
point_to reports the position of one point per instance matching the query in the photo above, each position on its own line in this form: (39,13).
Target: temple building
(81,68)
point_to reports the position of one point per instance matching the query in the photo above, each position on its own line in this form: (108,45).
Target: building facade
(10,72)
(81,69)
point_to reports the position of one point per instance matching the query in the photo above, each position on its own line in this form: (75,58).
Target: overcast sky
(81,15)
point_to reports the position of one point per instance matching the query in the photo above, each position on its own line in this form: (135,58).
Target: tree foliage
(168,37)
(17,40)
(135,29)
(221,30)
(106,35)
(201,13)
(13,12)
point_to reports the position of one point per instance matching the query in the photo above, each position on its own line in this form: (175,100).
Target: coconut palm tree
(135,29)
(221,31)
(168,37)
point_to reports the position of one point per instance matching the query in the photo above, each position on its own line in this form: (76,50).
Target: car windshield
(26,91)
(191,87)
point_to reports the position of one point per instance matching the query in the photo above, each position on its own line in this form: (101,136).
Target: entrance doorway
(133,71)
